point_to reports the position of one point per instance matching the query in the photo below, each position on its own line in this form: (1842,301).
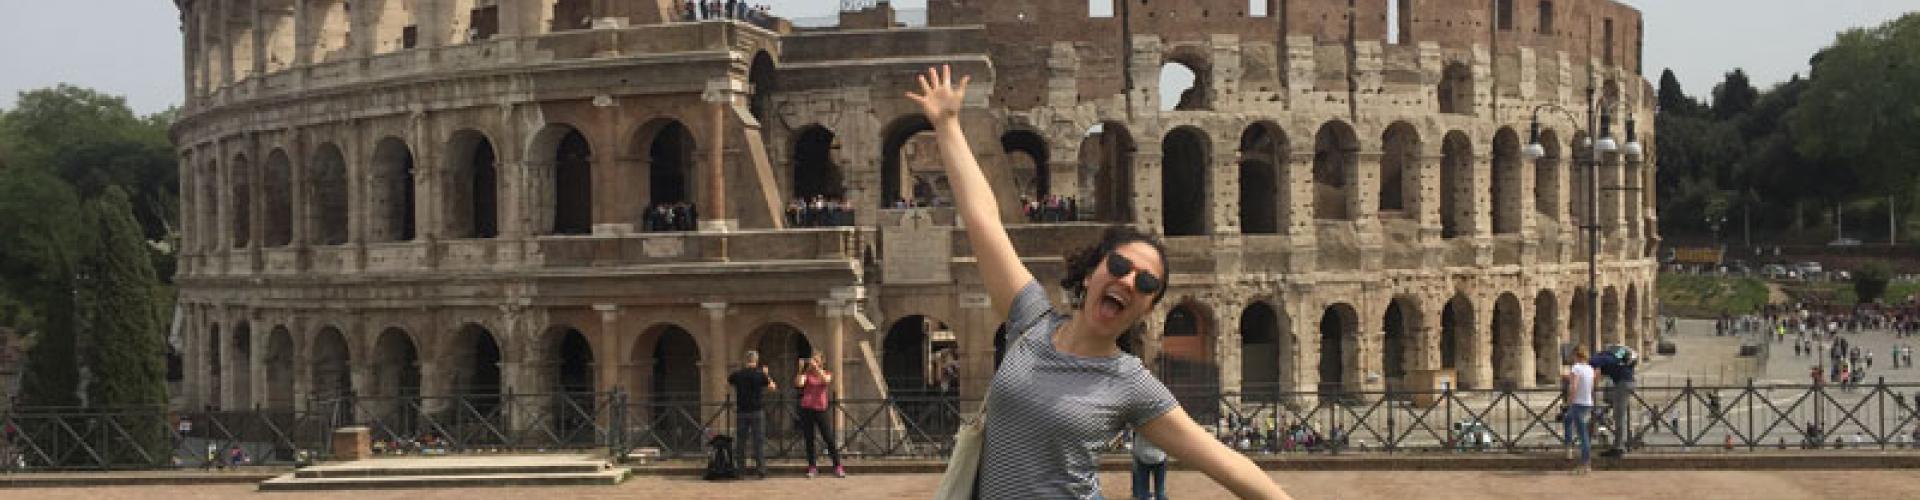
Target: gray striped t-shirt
(1051,411)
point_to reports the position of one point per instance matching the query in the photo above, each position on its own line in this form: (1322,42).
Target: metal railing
(1685,418)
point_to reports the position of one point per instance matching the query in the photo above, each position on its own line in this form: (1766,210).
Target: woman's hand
(939,98)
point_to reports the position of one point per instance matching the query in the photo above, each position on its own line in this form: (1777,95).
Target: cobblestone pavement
(1692,485)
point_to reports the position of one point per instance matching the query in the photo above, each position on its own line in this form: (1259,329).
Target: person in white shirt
(1579,407)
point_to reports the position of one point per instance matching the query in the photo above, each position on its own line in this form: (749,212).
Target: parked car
(1774,271)
(1808,269)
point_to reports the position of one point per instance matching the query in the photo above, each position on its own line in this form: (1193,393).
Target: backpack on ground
(720,464)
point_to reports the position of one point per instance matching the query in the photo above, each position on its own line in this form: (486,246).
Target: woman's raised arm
(1000,267)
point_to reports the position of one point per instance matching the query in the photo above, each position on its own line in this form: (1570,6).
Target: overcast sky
(132,47)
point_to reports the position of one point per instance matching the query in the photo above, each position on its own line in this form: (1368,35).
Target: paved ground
(1692,485)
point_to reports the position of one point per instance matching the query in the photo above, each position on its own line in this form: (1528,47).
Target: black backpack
(720,465)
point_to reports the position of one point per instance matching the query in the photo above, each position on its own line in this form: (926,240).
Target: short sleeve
(1029,306)
(1145,398)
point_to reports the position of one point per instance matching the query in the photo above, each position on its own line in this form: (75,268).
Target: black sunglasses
(1119,266)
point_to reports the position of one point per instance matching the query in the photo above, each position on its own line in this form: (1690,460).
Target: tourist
(1149,466)
(813,382)
(1617,363)
(1064,385)
(1579,385)
(750,385)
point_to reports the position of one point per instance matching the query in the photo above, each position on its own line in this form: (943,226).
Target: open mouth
(1112,304)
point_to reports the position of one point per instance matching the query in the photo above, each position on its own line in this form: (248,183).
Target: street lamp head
(1534,150)
(1633,150)
(1607,146)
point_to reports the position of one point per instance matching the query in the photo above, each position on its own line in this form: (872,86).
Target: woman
(812,382)
(1579,404)
(1065,387)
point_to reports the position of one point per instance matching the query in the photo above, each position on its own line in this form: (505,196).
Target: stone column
(715,216)
(721,355)
(1613,214)
(1226,350)
(1476,372)
(606,373)
(1368,371)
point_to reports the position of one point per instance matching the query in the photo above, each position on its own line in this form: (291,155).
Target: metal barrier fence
(1661,419)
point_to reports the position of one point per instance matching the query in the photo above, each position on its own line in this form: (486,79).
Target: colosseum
(441,197)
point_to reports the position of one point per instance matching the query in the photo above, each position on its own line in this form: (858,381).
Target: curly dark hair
(1085,261)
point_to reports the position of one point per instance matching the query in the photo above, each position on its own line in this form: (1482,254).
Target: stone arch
(1186,64)
(396,366)
(277,191)
(327,210)
(1507,181)
(1399,169)
(1578,311)
(1458,333)
(1264,344)
(1610,333)
(668,153)
(391,195)
(906,355)
(815,172)
(1456,185)
(473,356)
(240,200)
(1185,165)
(1263,150)
(473,186)
(332,364)
(1510,370)
(1455,91)
(1339,333)
(1336,155)
(1106,167)
(565,150)
(1546,339)
(1186,363)
(669,360)
(1032,175)
(215,370)
(1400,346)
(279,362)
(240,347)
(471,202)
(894,171)
(567,357)
(1547,176)
(762,85)
(1630,329)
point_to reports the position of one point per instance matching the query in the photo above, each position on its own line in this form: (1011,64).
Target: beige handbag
(963,466)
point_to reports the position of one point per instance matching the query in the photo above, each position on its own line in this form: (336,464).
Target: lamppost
(1600,119)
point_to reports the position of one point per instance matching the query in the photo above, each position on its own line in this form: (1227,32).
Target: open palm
(939,98)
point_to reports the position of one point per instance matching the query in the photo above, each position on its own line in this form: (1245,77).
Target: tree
(1734,96)
(126,349)
(1870,281)
(1863,105)
(37,267)
(1672,98)
(94,141)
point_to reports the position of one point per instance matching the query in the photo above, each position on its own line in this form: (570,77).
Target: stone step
(291,483)
(451,469)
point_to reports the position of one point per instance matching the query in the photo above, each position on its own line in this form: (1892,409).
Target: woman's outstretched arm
(1175,432)
(1000,267)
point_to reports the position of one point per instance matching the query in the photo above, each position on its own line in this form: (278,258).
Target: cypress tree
(125,347)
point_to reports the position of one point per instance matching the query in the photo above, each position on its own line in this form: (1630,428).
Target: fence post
(1880,404)
(1751,395)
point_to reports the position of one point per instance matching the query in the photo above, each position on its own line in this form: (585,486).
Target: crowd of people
(819,212)
(709,10)
(678,216)
(1050,208)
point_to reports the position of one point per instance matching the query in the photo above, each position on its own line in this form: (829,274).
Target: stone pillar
(606,372)
(714,364)
(976,351)
(1223,191)
(1226,349)
(719,97)
(1476,372)
(1426,200)
(363,381)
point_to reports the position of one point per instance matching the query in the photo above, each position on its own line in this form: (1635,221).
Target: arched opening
(1184,85)
(214,369)
(1631,327)
(1455,91)
(332,383)
(1547,178)
(669,365)
(396,367)
(473,187)
(569,15)
(1336,154)
(1507,194)
(781,348)
(1509,362)
(279,364)
(1546,340)
(1339,349)
(1577,314)
(815,174)
(279,199)
(670,151)
(475,362)
(391,198)
(242,372)
(572,183)
(1610,317)
(1456,185)
(906,354)
(240,201)
(760,75)
(1396,334)
(1183,180)
(1457,334)
(1185,363)
(574,409)
(1263,148)
(327,212)
(1027,159)
(1399,169)
(894,165)
(1260,355)
(1106,167)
